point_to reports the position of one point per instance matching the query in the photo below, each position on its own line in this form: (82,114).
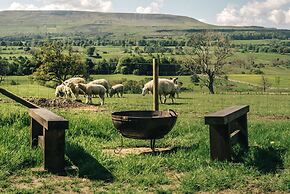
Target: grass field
(185,169)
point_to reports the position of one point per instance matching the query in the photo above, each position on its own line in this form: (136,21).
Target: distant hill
(12,22)
(93,23)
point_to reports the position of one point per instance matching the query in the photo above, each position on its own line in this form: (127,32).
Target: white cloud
(19,6)
(277,16)
(154,7)
(84,5)
(202,20)
(264,13)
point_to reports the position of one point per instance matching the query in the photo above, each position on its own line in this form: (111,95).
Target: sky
(267,13)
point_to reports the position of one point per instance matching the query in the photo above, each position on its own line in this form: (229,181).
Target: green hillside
(17,22)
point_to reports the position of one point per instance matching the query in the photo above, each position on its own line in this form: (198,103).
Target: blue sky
(268,13)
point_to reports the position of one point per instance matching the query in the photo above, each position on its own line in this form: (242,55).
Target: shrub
(124,70)
(136,72)
(194,78)
(133,87)
(257,71)
(12,82)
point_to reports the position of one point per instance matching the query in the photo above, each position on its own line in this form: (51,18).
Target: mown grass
(185,169)
(257,79)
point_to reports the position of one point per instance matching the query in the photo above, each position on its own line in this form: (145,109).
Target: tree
(278,81)
(265,83)
(91,51)
(55,63)
(4,65)
(207,56)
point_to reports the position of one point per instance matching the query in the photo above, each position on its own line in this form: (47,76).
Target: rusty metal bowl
(149,125)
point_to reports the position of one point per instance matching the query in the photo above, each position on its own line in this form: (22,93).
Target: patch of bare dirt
(139,150)
(64,103)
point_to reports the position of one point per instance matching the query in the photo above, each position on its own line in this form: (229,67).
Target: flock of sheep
(75,86)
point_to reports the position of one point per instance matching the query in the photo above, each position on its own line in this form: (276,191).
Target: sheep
(75,80)
(165,87)
(59,91)
(102,82)
(75,89)
(93,89)
(64,90)
(178,87)
(117,89)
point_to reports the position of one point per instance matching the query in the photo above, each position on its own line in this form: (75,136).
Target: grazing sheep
(63,90)
(75,80)
(165,87)
(178,86)
(75,89)
(59,91)
(102,82)
(93,89)
(117,89)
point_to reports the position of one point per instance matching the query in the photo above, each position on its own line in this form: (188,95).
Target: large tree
(208,54)
(57,63)
(4,67)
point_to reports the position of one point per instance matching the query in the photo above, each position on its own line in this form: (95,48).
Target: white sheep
(63,90)
(75,89)
(93,89)
(178,87)
(102,82)
(75,80)
(165,87)
(117,89)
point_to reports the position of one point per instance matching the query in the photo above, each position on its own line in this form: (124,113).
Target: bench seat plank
(227,115)
(48,119)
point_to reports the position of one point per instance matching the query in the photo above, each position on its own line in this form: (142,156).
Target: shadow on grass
(265,159)
(88,166)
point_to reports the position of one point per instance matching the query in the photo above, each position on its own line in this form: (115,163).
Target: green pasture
(257,42)
(257,79)
(266,58)
(187,168)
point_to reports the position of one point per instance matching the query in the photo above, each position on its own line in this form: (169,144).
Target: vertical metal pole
(155,85)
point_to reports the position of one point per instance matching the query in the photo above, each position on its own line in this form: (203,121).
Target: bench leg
(54,148)
(220,148)
(35,131)
(243,135)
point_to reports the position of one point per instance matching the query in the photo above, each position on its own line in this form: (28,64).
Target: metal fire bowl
(144,124)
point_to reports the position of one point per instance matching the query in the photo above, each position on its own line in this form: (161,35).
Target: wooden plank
(48,119)
(227,115)
(233,134)
(41,141)
(17,98)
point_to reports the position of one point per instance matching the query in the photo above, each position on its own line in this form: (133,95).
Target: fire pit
(145,125)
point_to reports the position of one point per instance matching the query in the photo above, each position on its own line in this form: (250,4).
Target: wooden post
(54,148)
(220,146)
(155,85)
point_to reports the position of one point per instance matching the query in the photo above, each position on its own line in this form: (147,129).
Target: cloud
(154,7)
(81,5)
(264,13)
(19,6)
(202,20)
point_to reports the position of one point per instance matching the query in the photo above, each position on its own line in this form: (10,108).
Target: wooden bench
(227,127)
(48,131)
